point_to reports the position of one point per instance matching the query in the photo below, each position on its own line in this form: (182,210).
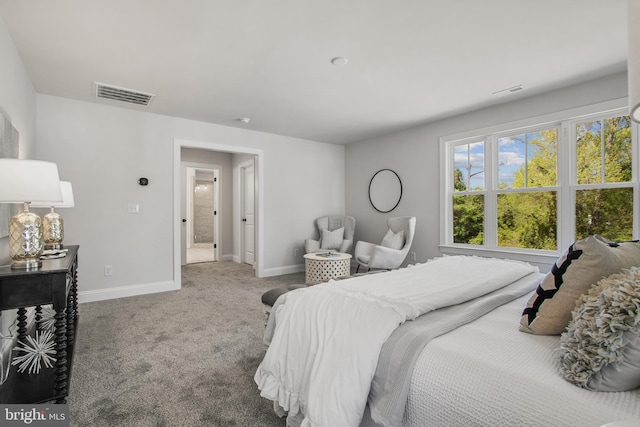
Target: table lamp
(52,223)
(26,181)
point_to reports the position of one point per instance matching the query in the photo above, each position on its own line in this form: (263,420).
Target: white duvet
(326,341)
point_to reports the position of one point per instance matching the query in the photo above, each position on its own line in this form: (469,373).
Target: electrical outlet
(296,252)
(108,270)
(412,255)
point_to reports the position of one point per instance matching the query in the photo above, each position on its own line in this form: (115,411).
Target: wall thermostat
(143,181)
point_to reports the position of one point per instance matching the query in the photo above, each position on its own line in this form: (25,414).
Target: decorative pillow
(393,240)
(601,347)
(548,311)
(332,239)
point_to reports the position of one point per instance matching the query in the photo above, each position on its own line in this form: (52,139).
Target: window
(526,191)
(541,187)
(468,181)
(604,174)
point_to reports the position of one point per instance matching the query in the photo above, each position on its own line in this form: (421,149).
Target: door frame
(241,180)
(192,170)
(178,143)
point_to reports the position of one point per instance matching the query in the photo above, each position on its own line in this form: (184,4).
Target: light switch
(134,208)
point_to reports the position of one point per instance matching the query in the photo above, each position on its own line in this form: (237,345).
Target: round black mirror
(385,190)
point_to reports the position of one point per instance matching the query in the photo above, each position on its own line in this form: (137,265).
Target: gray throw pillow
(332,239)
(601,347)
(393,240)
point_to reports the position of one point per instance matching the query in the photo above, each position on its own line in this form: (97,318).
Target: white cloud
(511,158)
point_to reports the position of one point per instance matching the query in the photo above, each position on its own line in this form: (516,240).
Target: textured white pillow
(332,239)
(393,240)
(601,347)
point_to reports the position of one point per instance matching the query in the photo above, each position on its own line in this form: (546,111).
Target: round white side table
(321,268)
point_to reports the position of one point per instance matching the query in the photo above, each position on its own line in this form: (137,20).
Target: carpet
(182,358)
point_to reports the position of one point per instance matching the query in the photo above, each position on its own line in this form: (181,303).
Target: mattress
(488,373)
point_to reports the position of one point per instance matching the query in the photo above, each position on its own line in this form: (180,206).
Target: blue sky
(469,158)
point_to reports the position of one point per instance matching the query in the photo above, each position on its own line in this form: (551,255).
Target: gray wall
(103,150)
(414,155)
(18,105)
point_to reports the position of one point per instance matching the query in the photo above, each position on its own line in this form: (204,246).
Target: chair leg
(357,268)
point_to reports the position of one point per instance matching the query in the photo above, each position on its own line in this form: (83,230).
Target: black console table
(54,283)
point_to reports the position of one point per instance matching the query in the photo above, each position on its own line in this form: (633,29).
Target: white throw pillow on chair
(331,240)
(393,240)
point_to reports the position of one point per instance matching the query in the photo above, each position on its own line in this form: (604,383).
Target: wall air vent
(122,94)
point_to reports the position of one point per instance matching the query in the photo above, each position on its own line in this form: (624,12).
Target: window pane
(528,159)
(468,170)
(605,211)
(589,152)
(527,220)
(617,148)
(604,151)
(468,219)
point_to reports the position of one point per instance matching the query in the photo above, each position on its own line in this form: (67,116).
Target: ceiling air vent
(509,90)
(122,94)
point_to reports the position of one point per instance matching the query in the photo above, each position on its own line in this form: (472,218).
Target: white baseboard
(152,288)
(126,291)
(287,269)
(229,257)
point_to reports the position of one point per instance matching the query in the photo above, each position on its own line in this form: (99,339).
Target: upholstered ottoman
(269,298)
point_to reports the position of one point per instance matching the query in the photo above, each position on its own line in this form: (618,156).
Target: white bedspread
(488,373)
(327,338)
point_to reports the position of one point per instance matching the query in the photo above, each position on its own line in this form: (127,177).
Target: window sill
(543,260)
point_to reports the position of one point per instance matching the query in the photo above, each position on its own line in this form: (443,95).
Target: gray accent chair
(380,256)
(332,223)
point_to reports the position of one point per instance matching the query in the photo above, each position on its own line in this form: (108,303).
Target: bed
(473,368)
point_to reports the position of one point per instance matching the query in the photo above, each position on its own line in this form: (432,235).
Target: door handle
(244,219)
(184,220)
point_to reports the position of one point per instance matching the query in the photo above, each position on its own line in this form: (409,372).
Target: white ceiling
(409,61)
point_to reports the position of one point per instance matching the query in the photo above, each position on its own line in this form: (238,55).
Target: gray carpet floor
(182,358)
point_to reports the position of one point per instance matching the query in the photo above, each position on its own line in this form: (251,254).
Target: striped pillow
(548,311)
(332,239)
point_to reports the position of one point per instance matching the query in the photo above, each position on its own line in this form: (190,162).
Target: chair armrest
(383,257)
(311,246)
(364,248)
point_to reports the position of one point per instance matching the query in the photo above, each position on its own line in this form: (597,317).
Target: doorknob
(244,219)
(184,220)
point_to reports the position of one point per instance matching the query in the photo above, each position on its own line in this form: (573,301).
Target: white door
(248,215)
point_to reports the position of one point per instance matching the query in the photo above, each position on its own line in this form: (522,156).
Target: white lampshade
(67,198)
(26,181)
(633,58)
(29,181)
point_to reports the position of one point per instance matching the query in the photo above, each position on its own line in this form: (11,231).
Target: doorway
(180,231)
(203,187)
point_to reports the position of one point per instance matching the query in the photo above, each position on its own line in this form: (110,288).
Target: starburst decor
(37,351)
(47,318)
(5,358)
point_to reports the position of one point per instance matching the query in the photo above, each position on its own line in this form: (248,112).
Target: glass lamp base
(52,230)
(26,265)
(25,241)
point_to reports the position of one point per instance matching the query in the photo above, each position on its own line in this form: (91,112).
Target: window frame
(566,180)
